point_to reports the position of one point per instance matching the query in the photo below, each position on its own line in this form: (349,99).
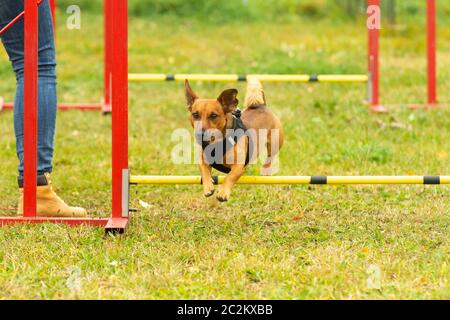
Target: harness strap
(228,143)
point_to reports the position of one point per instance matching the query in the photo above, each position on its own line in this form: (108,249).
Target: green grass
(288,242)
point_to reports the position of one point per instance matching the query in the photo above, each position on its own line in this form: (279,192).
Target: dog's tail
(254,97)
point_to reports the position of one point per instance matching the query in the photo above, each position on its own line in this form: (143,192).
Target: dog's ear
(190,94)
(228,100)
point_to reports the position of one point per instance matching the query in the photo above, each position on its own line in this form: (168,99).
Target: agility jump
(374,73)
(121,179)
(117,12)
(372,78)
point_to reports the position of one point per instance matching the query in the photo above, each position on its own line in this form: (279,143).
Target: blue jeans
(13,41)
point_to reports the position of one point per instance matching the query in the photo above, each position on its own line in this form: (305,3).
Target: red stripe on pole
(53,8)
(107,54)
(431,28)
(30,106)
(119,100)
(373,57)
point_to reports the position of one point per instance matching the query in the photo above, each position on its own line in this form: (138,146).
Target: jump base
(111,225)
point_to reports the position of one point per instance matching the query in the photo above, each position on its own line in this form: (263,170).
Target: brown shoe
(48,204)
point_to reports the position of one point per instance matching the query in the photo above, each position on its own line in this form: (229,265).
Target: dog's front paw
(208,193)
(208,190)
(223,194)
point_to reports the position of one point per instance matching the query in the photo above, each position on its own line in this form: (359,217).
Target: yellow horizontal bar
(445,179)
(281,77)
(207,77)
(198,179)
(139,77)
(376,180)
(343,78)
(146,77)
(332,180)
(165,180)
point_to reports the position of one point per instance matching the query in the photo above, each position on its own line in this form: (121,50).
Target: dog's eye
(213,116)
(196,115)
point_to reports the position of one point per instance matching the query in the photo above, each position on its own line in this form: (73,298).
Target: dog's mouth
(208,136)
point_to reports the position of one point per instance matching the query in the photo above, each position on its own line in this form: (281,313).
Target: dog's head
(209,116)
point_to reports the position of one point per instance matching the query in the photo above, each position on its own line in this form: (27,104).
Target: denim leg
(47,101)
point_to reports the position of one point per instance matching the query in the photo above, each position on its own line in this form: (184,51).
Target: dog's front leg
(207,181)
(233,176)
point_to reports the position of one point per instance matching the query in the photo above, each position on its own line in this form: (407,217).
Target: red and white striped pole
(431,44)
(30,106)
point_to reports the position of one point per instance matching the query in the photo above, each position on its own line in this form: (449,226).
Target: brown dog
(214,119)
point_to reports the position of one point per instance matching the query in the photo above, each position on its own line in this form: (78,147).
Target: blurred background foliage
(220,11)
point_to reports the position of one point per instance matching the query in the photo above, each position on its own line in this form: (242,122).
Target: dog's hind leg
(267,169)
(273,145)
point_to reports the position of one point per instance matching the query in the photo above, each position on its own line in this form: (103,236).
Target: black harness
(238,131)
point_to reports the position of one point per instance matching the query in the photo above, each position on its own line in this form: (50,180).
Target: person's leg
(48,203)
(47,103)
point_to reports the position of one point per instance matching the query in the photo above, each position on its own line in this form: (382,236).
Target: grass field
(269,241)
